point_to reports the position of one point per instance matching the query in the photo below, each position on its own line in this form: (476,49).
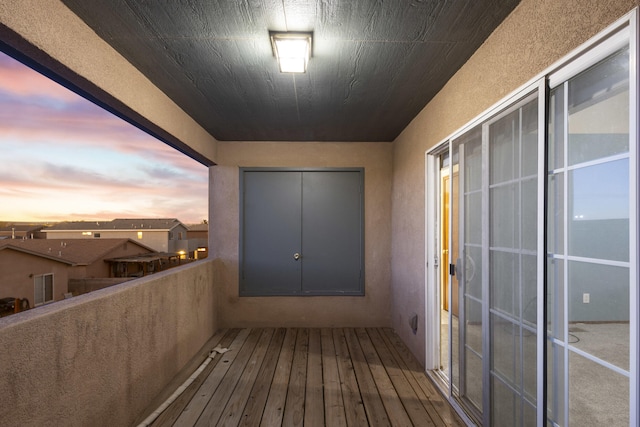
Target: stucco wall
(371,310)
(537,34)
(99,359)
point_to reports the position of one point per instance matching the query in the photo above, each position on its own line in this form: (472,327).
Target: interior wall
(48,33)
(535,35)
(372,309)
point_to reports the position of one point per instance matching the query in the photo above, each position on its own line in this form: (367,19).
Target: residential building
(496,222)
(22,231)
(160,234)
(40,270)
(198,235)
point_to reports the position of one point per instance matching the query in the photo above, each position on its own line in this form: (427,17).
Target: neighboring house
(40,269)
(27,274)
(22,232)
(198,235)
(162,235)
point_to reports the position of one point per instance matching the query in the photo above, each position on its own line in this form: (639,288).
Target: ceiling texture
(375,63)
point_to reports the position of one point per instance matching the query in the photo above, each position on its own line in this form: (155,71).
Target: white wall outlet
(586,298)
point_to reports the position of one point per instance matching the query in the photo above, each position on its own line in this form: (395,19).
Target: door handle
(296,256)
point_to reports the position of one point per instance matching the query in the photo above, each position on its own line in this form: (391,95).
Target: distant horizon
(23,222)
(66,159)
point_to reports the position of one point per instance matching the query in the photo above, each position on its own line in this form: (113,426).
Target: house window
(43,289)
(139,234)
(96,235)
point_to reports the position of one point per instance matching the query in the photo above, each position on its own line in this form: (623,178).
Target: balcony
(111,356)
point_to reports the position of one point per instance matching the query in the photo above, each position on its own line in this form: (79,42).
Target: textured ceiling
(375,64)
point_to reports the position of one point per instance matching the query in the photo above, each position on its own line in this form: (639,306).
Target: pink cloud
(14,80)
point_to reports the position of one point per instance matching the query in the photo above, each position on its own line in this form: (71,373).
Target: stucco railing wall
(101,358)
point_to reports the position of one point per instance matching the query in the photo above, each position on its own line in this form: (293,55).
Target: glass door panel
(512,142)
(467,152)
(588,245)
(497,267)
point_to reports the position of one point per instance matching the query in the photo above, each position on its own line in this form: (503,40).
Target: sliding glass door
(540,284)
(496,269)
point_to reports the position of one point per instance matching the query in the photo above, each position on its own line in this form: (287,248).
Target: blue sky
(64,158)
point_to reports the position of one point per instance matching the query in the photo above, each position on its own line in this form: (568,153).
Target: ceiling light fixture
(293,50)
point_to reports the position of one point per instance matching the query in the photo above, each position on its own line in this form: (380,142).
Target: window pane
(48,288)
(599,110)
(530,139)
(473,218)
(38,290)
(597,396)
(529,214)
(599,211)
(505,283)
(504,148)
(471,145)
(599,321)
(505,216)
(473,271)
(505,350)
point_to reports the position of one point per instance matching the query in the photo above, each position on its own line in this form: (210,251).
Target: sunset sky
(64,158)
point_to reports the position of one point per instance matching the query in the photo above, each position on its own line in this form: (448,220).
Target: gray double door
(301,232)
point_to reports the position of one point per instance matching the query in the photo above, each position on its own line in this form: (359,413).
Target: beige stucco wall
(48,32)
(100,359)
(18,270)
(537,34)
(371,310)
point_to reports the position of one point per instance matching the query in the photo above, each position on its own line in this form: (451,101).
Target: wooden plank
(193,410)
(257,399)
(171,414)
(274,408)
(333,404)
(233,411)
(294,407)
(373,406)
(390,399)
(412,405)
(314,401)
(444,410)
(410,375)
(353,406)
(211,413)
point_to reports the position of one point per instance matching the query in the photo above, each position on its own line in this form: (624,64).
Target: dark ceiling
(375,64)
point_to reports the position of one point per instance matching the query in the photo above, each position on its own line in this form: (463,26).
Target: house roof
(118,224)
(198,227)
(21,228)
(69,251)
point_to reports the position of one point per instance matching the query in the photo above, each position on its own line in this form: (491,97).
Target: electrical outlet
(586,298)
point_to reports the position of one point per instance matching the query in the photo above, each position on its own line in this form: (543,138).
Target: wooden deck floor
(310,377)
